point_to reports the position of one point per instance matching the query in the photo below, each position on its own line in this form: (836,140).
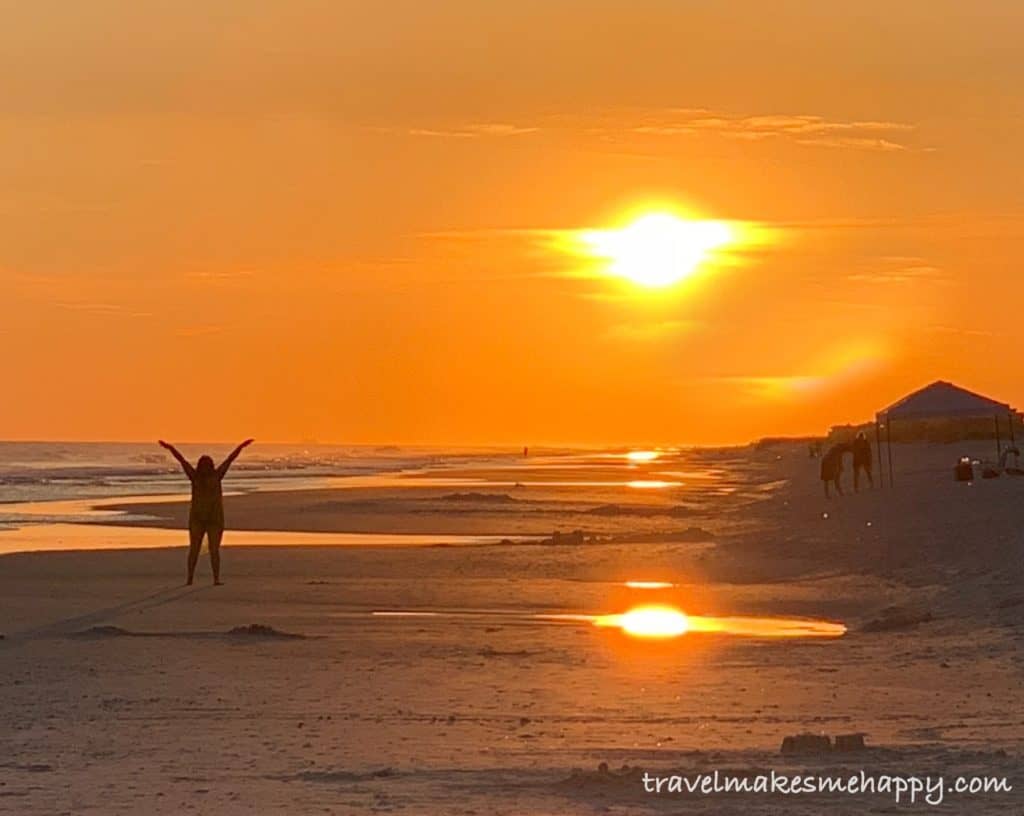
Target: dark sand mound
(103,632)
(259,630)
(603,781)
(253,631)
(897,618)
(492,498)
(337,777)
(640,511)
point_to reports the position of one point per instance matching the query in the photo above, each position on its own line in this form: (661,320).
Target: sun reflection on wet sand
(648,622)
(667,621)
(768,627)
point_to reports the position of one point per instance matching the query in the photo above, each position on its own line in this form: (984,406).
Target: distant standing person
(206,513)
(832,468)
(862,460)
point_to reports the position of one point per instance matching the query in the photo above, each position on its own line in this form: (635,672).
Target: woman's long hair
(204,467)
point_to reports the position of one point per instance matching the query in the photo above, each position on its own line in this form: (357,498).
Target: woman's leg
(215,534)
(195,541)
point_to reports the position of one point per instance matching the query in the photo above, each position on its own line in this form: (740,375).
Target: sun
(657,249)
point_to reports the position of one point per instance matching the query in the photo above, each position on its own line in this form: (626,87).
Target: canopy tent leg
(888,443)
(878,447)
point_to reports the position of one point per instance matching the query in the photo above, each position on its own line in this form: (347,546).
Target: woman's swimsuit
(207,510)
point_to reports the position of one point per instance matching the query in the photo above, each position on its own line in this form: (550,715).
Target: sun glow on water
(648,585)
(642,455)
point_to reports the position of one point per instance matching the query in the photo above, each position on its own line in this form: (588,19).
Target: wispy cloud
(960,331)
(106,309)
(804,129)
(838,367)
(473,130)
(895,270)
(219,274)
(773,386)
(649,332)
(199,331)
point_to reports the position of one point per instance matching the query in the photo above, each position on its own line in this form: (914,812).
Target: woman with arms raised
(206,513)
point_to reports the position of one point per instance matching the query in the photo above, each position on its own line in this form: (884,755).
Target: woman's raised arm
(222,468)
(185,465)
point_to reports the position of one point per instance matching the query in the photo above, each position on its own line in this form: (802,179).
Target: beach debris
(579,537)
(896,618)
(32,767)
(338,776)
(104,631)
(575,538)
(490,651)
(253,630)
(259,630)
(809,743)
(604,779)
(806,744)
(493,498)
(850,742)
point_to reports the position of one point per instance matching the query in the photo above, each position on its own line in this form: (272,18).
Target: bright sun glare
(642,456)
(657,249)
(649,622)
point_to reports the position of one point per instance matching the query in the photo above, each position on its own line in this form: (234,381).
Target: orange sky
(331,220)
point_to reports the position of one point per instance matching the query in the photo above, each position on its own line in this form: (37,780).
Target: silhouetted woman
(206,513)
(832,468)
(861,460)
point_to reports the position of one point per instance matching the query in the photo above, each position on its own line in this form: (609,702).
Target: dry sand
(123,692)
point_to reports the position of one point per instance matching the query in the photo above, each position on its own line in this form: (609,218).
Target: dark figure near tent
(861,460)
(832,468)
(206,513)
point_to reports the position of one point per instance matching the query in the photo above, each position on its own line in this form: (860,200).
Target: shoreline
(93,537)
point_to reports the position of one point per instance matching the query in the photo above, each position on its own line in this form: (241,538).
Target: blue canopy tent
(940,400)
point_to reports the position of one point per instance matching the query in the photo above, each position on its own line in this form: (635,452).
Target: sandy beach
(428,678)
